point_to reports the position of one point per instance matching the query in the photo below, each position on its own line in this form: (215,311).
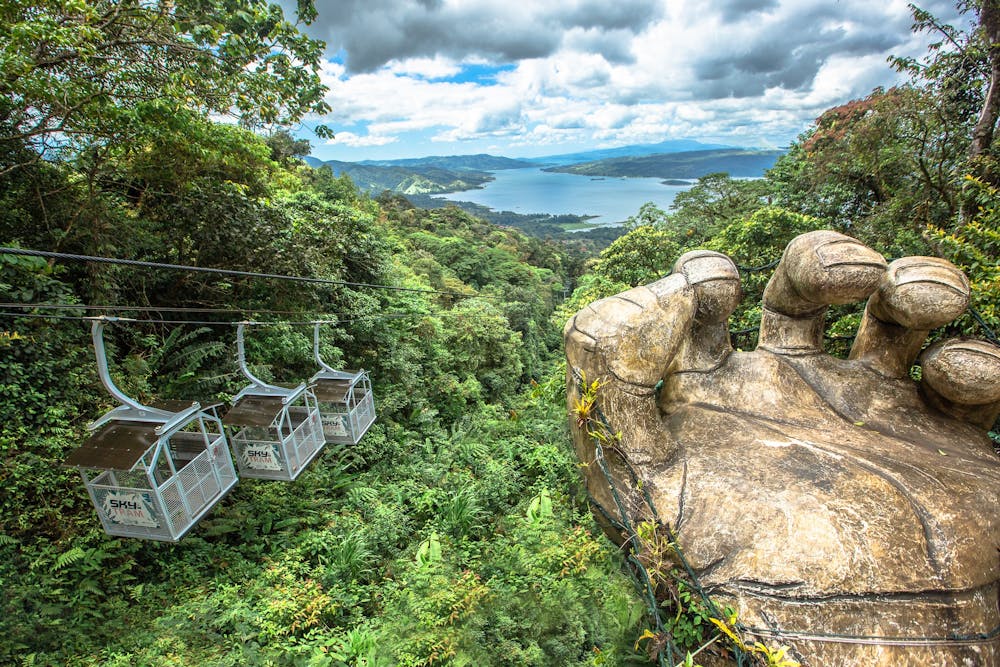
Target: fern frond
(74,555)
(362,496)
(90,586)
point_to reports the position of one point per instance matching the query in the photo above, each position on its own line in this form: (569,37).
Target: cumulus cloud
(613,45)
(752,72)
(734,10)
(354,140)
(788,50)
(373,33)
(428,68)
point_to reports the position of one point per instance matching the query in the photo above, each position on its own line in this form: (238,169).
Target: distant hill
(481,162)
(672,146)
(406,180)
(737,162)
(453,173)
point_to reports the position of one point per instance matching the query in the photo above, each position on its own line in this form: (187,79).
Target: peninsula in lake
(679,159)
(421,176)
(737,162)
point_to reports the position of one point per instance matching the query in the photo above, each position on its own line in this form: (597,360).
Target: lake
(611,200)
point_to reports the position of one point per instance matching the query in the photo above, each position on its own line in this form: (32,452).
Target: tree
(974,248)
(880,168)
(755,243)
(643,255)
(649,215)
(77,74)
(886,166)
(713,202)
(963,64)
(284,147)
(982,134)
(963,69)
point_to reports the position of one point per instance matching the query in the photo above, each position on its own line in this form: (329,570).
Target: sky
(527,78)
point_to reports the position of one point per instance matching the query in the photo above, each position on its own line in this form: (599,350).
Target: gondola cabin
(274,431)
(345,400)
(152,472)
(345,404)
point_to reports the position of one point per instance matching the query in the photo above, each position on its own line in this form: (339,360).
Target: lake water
(532,190)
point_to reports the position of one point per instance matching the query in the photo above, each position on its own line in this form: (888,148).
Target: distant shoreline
(560,201)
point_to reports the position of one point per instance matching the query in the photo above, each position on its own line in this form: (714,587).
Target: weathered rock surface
(839,507)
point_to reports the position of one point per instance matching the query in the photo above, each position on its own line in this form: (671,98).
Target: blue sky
(410,78)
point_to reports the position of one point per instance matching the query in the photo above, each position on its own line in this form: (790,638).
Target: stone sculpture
(838,506)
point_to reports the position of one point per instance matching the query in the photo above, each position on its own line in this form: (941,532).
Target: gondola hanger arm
(242,359)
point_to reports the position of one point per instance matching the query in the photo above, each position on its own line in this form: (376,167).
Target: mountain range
(480,162)
(671,146)
(416,179)
(737,162)
(684,158)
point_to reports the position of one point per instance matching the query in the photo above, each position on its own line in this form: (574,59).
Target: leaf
(68,558)
(724,627)
(429,550)
(646,634)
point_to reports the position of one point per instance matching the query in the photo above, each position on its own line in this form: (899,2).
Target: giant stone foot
(839,507)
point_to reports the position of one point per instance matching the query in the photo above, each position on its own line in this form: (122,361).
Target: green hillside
(480,162)
(635,150)
(738,163)
(457,531)
(419,179)
(464,355)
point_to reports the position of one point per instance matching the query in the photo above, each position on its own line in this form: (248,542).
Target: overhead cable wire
(84,318)
(183,309)
(226,272)
(353,317)
(987,330)
(757,269)
(153,309)
(989,333)
(133,320)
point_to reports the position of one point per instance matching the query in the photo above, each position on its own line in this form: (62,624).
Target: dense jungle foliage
(456,532)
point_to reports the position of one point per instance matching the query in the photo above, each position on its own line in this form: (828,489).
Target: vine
(661,571)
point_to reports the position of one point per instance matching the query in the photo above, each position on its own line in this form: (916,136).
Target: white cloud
(351,139)
(427,68)
(751,72)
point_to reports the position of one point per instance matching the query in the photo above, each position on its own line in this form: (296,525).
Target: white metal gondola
(345,399)
(275,431)
(152,472)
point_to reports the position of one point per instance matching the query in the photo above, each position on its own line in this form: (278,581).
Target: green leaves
(455,507)
(540,507)
(643,255)
(974,248)
(74,72)
(429,551)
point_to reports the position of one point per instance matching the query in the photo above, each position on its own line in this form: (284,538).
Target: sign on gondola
(345,399)
(334,426)
(261,457)
(130,509)
(275,431)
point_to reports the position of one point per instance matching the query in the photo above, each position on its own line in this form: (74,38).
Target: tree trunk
(982,135)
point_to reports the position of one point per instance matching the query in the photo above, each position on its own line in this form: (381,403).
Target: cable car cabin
(152,472)
(275,431)
(345,399)
(155,473)
(345,403)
